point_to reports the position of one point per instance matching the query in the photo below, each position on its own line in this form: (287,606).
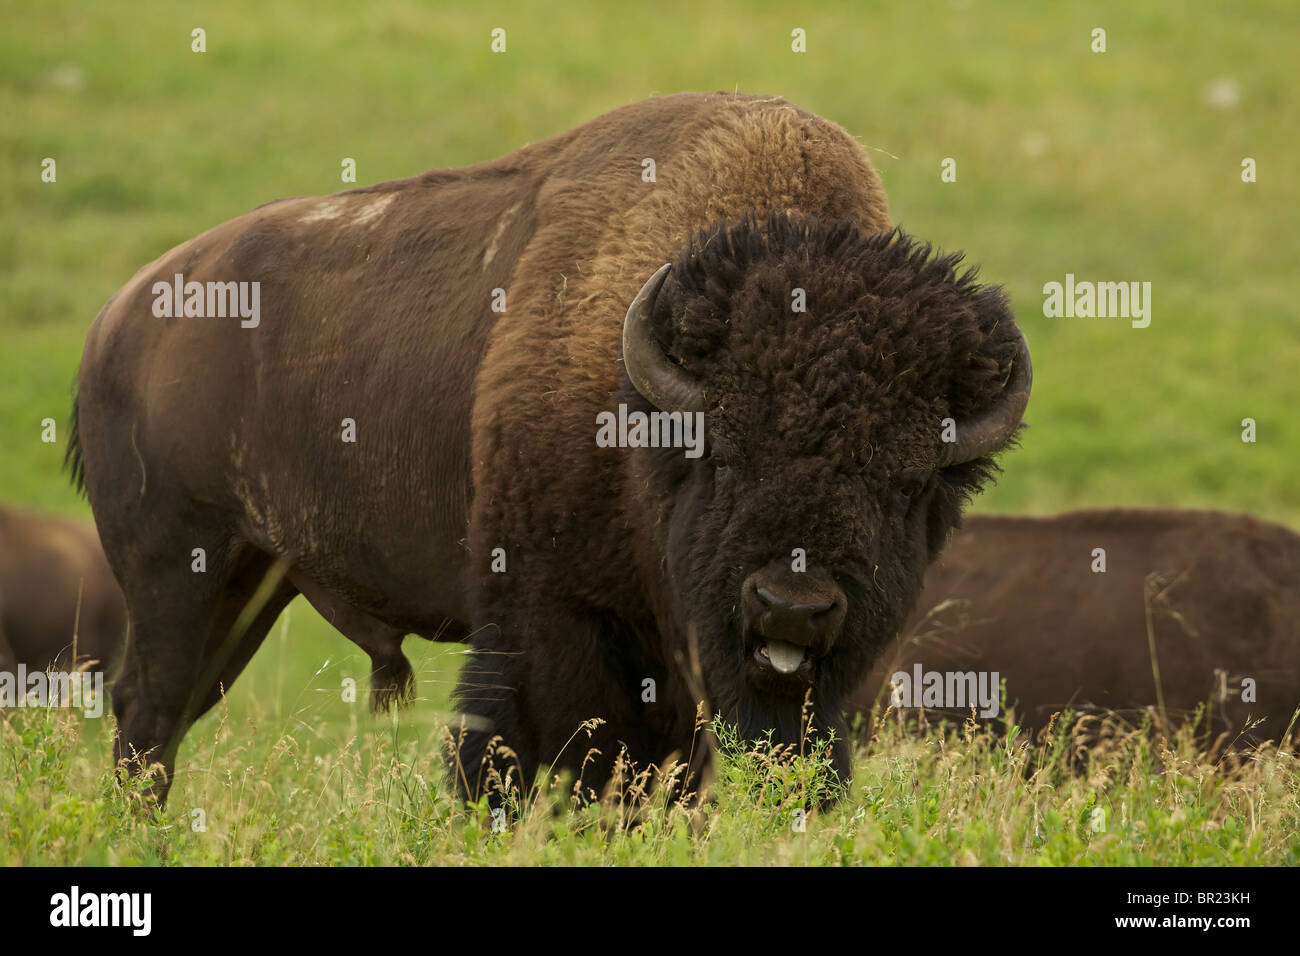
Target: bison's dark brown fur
(476,503)
(59,604)
(1220,592)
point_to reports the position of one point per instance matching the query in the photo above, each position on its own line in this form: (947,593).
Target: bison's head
(834,371)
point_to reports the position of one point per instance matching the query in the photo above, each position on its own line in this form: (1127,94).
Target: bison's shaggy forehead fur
(824,434)
(888,333)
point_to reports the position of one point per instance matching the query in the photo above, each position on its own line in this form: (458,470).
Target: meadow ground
(1122,165)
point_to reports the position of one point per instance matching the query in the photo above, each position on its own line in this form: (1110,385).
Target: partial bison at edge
(1026,598)
(406,434)
(59,604)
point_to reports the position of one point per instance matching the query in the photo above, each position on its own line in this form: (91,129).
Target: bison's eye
(722,456)
(903,494)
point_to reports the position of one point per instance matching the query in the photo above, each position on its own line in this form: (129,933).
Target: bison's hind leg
(191,636)
(392,682)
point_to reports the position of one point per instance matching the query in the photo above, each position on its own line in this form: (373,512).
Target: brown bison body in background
(1019,596)
(408,434)
(56,586)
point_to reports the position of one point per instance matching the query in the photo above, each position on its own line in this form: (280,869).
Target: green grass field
(1123,165)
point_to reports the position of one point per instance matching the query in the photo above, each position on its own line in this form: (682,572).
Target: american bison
(403,413)
(1027,598)
(59,604)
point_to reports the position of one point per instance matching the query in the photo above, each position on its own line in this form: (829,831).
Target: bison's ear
(986,433)
(662,382)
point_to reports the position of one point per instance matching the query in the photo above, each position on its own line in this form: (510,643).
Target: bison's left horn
(664,384)
(990,431)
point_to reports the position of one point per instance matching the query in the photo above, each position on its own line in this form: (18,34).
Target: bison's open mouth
(780,666)
(790,622)
(785,658)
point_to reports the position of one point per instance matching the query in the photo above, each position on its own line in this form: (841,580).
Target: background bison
(59,604)
(1019,596)
(386,442)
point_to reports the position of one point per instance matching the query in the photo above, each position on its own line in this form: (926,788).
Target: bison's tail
(73,463)
(392,682)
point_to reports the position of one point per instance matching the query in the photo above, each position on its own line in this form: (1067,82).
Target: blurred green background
(1123,165)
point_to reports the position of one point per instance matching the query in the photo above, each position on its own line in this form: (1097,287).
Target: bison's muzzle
(790,622)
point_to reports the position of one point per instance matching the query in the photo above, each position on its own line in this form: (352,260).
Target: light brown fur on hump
(764,154)
(729,155)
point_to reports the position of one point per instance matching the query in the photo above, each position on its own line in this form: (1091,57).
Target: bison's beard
(797,726)
(758,715)
(791,722)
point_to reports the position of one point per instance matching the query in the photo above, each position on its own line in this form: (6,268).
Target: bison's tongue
(786,658)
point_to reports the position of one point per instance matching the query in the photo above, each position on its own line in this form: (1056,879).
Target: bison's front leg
(494,748)
(548,688)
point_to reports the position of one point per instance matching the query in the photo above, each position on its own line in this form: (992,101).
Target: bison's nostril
(795,617)
(798,609)
(823,614)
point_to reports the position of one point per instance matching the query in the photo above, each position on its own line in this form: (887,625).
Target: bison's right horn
(664,384)
(990,431)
